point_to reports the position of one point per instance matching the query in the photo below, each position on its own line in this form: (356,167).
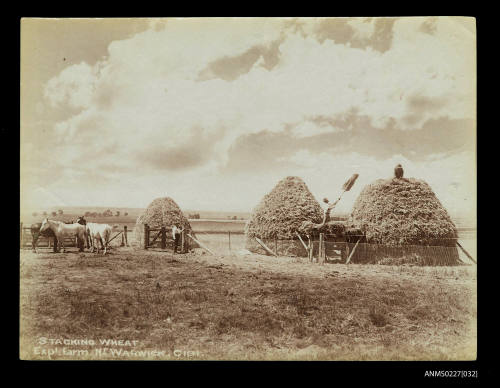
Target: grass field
(218,226)
(249,307)
(219,243)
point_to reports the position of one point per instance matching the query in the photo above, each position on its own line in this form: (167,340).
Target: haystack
(280,215)
(405,222)
(160,212)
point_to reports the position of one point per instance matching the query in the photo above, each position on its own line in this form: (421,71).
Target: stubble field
(250,307)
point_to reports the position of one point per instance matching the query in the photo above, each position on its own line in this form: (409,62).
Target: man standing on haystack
(326,215)
(176,234)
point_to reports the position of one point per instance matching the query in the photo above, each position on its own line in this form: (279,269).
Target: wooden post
(22,236)
(303,243)
(352,252)
(125,234)
(229,236)
(163,238)
(310,249)
(466,253)
(119,233)
(344,253)
(325,257)
(202,245)
(183,242)
(266,248)
(123,241)
(276,245)
(146,236)
(321,250)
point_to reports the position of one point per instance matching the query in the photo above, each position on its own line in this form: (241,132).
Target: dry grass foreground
(252,307)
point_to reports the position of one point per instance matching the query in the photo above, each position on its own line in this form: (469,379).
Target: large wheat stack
(160,212)
(405,221)
(280,215)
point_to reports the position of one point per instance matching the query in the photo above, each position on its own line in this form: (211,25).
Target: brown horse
(82,221)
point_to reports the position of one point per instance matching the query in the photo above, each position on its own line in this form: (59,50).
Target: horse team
(85,232)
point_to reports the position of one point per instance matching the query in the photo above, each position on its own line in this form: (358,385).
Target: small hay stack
(403,222)
(161,212)
(280,215)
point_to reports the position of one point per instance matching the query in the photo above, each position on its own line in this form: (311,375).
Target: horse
(60,229)
(99,232)
(35,235)
(82,221)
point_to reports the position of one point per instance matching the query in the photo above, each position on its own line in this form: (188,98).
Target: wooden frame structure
(162,234)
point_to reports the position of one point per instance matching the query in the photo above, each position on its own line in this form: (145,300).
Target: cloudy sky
(214,112)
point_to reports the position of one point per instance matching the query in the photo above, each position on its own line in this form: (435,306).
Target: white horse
(61,230)
(99,232)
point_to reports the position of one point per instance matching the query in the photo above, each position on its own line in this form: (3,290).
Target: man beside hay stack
(176,235)
(162,212)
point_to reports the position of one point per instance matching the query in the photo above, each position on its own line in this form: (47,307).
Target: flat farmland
(222,243)
(218,226)
(243,307)
(215,233)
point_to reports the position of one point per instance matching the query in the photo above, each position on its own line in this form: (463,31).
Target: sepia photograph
(248,189)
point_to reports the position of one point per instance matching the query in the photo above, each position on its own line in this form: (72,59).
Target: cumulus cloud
(196,150)
(74,86)
(375,33)
(279,87)
(326,172)
(229,68)
(429,25)
(353,133)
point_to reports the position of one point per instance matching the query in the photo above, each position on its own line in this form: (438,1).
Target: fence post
(22,236)
(125,234)
(352,252)
(344,253)
(123,241)
(276,245)
(183,242)
(229,235)
(163,238)
(146,236)
(321,249)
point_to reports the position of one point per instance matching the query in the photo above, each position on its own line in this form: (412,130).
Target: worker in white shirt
(176,235)
(326,215)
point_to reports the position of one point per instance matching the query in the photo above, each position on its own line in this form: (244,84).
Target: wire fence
(338,251)
(335,249)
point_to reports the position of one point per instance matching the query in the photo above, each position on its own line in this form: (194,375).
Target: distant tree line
(107,213)
(45,214)
(196,216)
